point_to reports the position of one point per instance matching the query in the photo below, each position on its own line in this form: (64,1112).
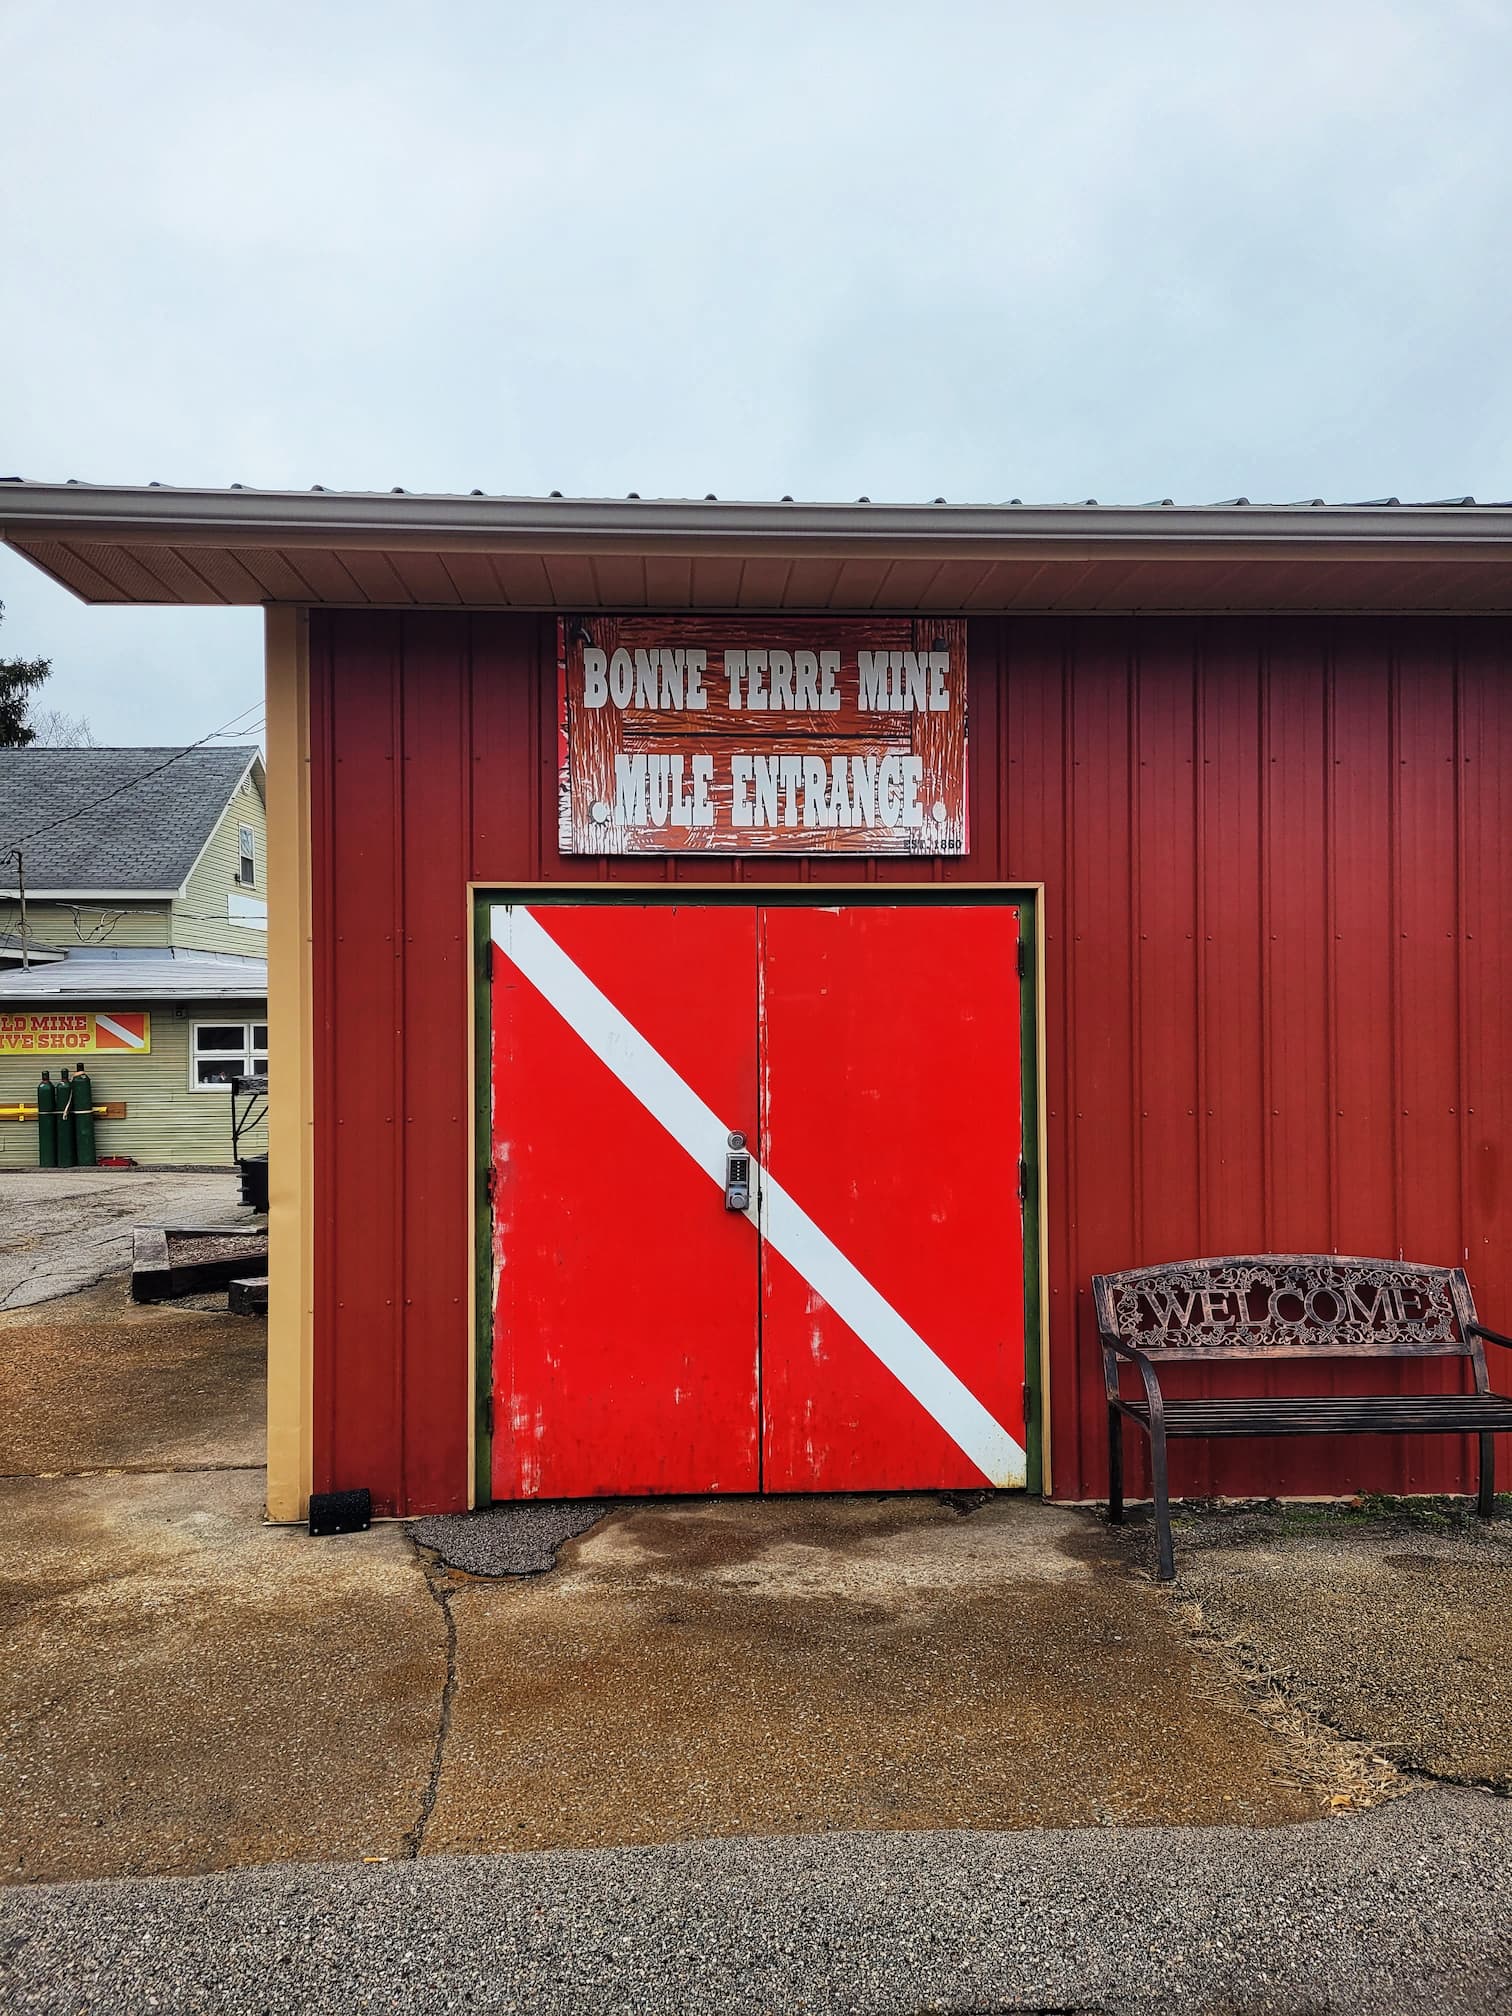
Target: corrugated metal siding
(1278,896)
(165,1122)
(199,918)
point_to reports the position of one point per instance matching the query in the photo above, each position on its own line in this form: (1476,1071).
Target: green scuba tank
(65,1121)
(84,1120)
(47,1123)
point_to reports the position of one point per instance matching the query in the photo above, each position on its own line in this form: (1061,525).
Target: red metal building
(1235,778)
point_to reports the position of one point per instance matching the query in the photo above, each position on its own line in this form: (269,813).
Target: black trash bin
(254,1181)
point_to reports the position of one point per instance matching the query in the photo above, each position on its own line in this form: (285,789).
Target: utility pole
(21,888)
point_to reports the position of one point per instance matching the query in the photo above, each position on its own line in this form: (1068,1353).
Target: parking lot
(65,1229)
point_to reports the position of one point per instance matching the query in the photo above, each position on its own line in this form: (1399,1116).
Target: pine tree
(19,679)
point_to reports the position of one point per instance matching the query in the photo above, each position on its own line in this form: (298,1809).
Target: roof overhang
(132,980)
(12,894)
(248,547)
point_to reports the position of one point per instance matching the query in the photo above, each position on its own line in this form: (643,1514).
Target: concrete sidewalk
(841,1703)
(185,1689)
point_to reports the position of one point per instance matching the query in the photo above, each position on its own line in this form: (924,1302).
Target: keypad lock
(737,1175)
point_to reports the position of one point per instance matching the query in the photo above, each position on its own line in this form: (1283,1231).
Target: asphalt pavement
(66,1229)
(517,1539)
(1401,1908)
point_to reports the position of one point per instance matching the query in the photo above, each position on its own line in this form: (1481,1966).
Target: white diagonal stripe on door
(787,1227)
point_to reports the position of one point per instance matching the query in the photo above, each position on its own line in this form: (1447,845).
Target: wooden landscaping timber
(166,1262)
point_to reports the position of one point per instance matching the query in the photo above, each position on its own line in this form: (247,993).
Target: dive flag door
(755,1221)
(625,1295)
(892,1115)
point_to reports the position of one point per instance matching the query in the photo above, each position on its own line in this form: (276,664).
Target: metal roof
(138,976)
(12,946)
(396,549)
(143,832)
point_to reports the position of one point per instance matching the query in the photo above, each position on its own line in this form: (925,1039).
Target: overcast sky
(902,250)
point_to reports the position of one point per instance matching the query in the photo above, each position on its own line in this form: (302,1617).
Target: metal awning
(125,976)
(155,544)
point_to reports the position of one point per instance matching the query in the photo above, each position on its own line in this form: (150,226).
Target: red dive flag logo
(122,1030)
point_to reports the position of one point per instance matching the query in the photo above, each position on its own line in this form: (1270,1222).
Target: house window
(246,873)
(221,1051)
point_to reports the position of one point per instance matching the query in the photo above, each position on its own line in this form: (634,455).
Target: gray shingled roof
(146,834)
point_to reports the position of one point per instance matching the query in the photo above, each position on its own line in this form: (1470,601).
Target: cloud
(979,250)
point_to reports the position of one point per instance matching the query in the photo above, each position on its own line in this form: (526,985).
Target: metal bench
(1261,1308)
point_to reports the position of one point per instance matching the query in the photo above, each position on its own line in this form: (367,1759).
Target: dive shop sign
(788,735)
(66,1032)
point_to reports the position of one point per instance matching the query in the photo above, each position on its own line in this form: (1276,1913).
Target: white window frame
(253,1062)
(246,846)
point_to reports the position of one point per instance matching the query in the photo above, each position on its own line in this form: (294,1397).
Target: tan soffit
(247,547)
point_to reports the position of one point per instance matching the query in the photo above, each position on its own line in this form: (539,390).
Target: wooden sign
(780,735)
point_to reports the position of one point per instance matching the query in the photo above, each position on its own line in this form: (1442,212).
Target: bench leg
(1485,1504)
(1165,1553)
(1115,1467)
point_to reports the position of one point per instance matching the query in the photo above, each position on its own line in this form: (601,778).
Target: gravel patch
(190,1249)
(1403,1908)
(1390,1621)
(520,1539)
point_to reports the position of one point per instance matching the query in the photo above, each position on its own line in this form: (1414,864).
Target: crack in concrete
(1497,1788)
(1357,1768)
(1268,1689)
(80,1243)
(443,1592)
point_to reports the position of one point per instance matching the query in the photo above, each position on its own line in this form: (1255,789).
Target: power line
(19,840)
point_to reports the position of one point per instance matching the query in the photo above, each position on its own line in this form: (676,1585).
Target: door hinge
(1028,1402)
(1023,959)
(488,945)
(488,1417)
(1023,1179)
(488,1184)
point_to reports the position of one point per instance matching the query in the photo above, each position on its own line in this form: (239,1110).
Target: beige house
(133,941)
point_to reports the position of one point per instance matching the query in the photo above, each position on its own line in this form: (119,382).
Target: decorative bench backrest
(1288,1305)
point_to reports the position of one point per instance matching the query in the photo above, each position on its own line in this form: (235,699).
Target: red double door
(855,1319)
